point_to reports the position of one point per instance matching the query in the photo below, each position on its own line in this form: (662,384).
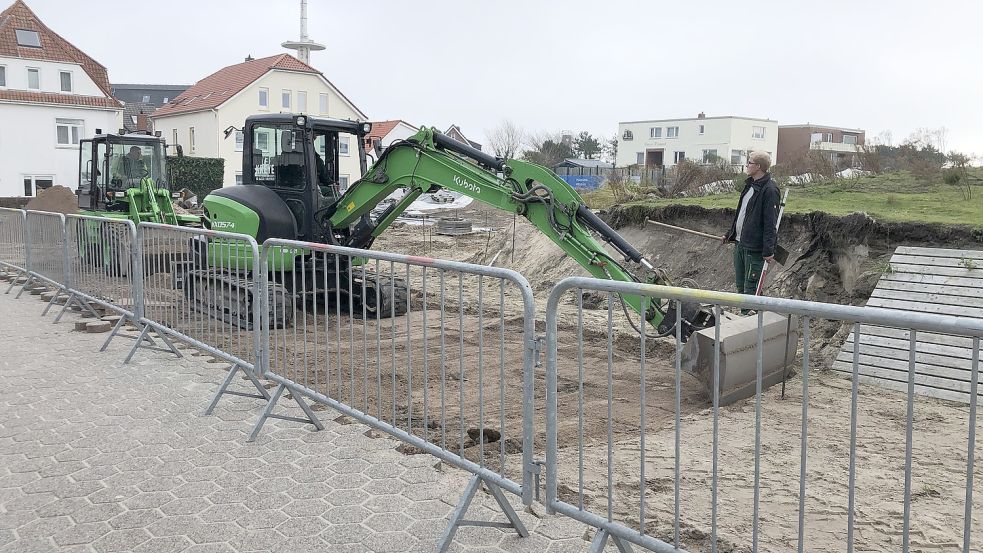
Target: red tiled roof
(53,48)
(218,87)
(55,98)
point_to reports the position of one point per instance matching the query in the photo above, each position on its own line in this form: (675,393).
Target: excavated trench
(833,259)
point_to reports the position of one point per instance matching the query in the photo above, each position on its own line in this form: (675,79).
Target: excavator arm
(429,161)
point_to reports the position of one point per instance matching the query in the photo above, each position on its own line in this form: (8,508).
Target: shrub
(201,175)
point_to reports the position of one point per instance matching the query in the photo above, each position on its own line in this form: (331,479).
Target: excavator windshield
(278,156)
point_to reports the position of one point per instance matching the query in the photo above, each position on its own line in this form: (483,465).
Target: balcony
(834,147)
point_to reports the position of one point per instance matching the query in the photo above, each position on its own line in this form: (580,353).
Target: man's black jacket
(758,232)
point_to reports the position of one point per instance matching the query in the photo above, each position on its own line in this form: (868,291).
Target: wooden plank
(965,263)
(923,337)
(933,308)
(943,280)
(940,289)
(903,344)
(930,270)
(899,377)
(921,358)
(901,366)
(924,297)
(888,381)
(939,252)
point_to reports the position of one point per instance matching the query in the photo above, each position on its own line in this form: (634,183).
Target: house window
(286,99)
(301,101)
(264,97)
(166,99)
(849,139)
(655,132)
(33,183)
(28,38)
(33,78)
(146,99)
(3,75)
(678,157)
(672,132)
(238,177)
(702,128)
(343,145)
(66,80)
(709,156)
(758,132)
(815,137)
(640,158)
(628,135)
(343,181)
(133,119)
(323,103)
(191,139)
(736,157)
(262,141)
(239,141)
(69,131)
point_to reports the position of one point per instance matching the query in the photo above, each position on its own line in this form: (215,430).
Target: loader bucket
(739,354)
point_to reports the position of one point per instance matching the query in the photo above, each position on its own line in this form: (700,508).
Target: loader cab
(109,164)
(307,161)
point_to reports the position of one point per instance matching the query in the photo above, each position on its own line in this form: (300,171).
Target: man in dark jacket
(753,229)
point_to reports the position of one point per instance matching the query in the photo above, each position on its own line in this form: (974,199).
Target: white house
(276,84)
(387,132)
(663,142)
(52,95)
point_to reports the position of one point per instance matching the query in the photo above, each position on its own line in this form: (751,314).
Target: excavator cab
(305,161)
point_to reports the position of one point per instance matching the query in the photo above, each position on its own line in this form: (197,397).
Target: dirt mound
(57,199)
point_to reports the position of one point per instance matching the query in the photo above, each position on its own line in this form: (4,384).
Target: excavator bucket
(739,354)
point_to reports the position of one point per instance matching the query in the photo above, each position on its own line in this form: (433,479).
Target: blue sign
(583,182)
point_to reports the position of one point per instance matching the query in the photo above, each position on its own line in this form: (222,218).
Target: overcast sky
(578,64)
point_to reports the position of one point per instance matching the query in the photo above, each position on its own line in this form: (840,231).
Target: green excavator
(291,190)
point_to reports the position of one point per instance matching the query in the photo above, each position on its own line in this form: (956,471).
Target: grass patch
(888,197)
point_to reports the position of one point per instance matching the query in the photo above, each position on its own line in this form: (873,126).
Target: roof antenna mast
(305,45)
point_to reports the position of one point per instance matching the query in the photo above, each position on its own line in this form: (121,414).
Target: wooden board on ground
(922,280)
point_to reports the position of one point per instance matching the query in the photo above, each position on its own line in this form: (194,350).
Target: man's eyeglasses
(751,163)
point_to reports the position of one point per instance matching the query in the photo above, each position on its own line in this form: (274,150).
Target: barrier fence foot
(601,539)
(24,286)
(224,388)
(458,520)
(13,281)
(119,325)
(52,302)
(144,337)
(268,412)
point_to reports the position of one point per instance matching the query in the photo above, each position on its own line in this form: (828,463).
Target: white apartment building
(198,117)
(52,95)
(664,142)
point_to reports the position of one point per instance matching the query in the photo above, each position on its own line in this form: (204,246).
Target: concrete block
(96,327)
(112,319)
(36,291)
(81,325)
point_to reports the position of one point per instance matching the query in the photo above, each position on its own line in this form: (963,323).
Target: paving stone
(98,456)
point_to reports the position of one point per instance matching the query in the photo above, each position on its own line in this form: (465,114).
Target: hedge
(201,175)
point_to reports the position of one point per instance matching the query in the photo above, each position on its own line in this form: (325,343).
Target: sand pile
(57,199)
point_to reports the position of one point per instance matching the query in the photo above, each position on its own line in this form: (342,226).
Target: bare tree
(505,139)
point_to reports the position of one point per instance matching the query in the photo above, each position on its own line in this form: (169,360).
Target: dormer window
(31,39)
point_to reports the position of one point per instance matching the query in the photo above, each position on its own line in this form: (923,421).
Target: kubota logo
(463,183)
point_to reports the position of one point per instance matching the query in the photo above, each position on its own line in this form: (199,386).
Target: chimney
(701,115)
(249,57)
(143,122)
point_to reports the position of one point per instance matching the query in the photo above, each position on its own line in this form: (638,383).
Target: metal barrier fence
(100,261)
(198,286)
(628,432)
(435,353)
(46,249)
(13,244)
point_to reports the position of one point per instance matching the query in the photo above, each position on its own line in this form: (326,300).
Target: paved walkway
(100,456)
